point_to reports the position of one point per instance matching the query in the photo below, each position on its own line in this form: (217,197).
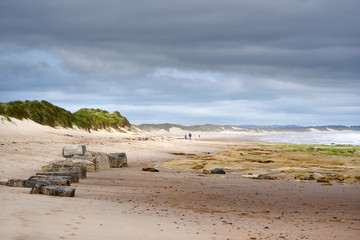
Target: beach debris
(44,180)
(53,190)
(65,166)
(198,166)
(69,151)
(16,183)
(261,161)
(3,183)
(316,175)
(150,169)
(101,161)
(218,171)
(327,184)
(264,177)
(85,161)
(60,173)
(73,175)
(322,181)
(337,177)
(206,171)
(118,160)
(49,180)
(249,175)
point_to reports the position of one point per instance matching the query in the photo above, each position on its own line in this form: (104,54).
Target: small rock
(206,171)
(316,175)
(150,169)
(322,181)
(326,184)
(265,177)
(197,167)
(218,171)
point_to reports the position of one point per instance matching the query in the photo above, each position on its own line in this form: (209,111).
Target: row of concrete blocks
(57,175)
(50,183)
(94,161)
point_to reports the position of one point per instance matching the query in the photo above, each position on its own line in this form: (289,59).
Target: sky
(240,62)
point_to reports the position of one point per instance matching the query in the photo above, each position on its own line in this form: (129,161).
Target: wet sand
(128,203)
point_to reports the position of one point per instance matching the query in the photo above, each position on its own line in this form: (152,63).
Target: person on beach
(185,136)
(190,136)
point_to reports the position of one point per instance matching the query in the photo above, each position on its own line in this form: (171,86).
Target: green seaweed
(330,150)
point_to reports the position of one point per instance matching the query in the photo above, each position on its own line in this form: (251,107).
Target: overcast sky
(237,62)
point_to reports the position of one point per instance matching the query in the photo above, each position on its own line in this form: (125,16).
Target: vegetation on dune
(100,119)
(42,112)
(48,114)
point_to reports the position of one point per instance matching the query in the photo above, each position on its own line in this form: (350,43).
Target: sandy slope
(128,203)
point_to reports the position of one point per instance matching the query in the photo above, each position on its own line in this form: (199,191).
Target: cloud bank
(187,62)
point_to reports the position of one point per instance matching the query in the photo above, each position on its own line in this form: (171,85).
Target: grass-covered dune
(48,114)
(100,119)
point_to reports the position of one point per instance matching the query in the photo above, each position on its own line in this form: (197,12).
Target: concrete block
(86,161)
(118,160)
(101,161)
(53,190)
(73,175)
(69,151)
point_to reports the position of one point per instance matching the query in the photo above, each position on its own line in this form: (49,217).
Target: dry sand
(128,203)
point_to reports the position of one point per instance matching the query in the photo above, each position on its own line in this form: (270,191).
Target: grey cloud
(191,53)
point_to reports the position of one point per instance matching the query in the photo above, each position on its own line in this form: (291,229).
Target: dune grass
(48,114)
(100,119)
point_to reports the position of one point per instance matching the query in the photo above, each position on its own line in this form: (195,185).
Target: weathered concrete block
(101,161)
(70,168)
(117,160)
(84,157)
(65,166)
(53,190)
(73,175)
(44,180)
(4,183)
(16,183)
(56,163)
(69,151)
(86,161)
(49,180)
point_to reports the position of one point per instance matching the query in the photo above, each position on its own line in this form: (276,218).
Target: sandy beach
(128,203)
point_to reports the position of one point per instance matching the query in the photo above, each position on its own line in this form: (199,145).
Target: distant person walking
(185,136)
(190,136)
